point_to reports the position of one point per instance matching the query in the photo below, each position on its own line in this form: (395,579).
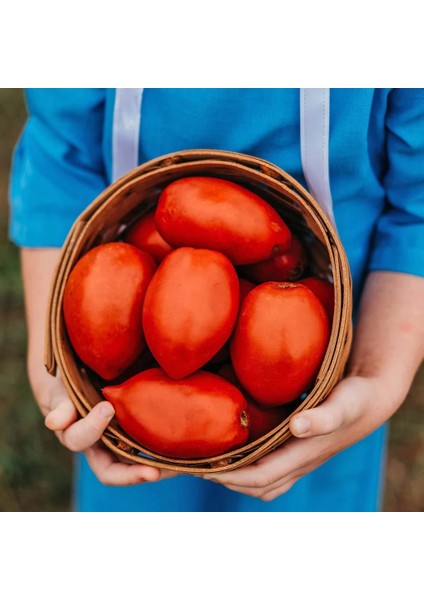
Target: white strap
(126,130)
(314,136)
(314,133)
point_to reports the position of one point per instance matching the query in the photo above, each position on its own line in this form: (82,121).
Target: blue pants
(351,481)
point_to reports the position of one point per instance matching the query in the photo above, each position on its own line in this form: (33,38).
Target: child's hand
(79,435)
(351,412)
(83,435)
(387,351)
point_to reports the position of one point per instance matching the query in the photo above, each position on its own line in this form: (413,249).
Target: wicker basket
(135,194)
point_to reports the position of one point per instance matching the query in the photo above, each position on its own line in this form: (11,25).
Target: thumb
(316,421)
(343,405)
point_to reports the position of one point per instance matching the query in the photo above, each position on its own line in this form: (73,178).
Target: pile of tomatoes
(201,322)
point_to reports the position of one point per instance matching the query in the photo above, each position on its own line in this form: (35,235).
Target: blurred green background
(36,471)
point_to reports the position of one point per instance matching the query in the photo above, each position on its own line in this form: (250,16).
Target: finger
(343,406)
(278,486)
(257,475)
(87,431)
(285,462)
(53,395)
(277,491)
(62,416)
(317,421)
(266,494)
(111,471)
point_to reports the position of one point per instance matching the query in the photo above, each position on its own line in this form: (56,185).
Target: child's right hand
(83,435)
(76,434)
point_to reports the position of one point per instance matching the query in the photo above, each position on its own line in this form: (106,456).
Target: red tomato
(199,416)
(245,287)
(262,420)
(207,212)
(279,342)
(281,267)
(145,236)
(190,309)
(324,291)
(143,362)
(102,306)
(222,355)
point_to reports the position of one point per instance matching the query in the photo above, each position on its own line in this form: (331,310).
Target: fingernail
(301,425)
(107,411)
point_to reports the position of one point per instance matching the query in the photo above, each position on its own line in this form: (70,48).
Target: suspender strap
(126,130)
(314,136)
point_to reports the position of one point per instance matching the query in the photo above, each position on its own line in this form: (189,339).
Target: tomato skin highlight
(190,309)
(144,235)
(279,342)
(287,266)
(323,290)
(102,306)
(213,213)
(199,416)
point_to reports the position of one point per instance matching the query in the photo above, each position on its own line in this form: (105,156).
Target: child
(361,156)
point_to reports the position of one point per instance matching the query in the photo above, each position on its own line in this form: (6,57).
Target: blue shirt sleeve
(399,235)
(57,167)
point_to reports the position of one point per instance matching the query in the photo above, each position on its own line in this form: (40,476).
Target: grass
(36,471)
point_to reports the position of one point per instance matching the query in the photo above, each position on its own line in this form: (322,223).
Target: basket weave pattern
(121,204)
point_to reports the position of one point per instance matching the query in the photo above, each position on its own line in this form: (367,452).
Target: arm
(76,434)
(388,349)
(57,169)
(389,339)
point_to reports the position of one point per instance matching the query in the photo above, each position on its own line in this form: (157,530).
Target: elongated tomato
(213,213)
(323,290)
(190,309)
(199,416)
(279,342)
(287,266)
(102,306)
(145,236)
(245,287)
(261,419)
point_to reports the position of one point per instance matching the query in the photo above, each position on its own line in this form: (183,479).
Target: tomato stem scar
(244,419)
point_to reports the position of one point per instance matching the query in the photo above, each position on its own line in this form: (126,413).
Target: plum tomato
(245,287)
(279,342)
(287,266)
(144,235)
(102,306)
(323,290)
(213,213)
(190,309)
(202,415)
(261,420)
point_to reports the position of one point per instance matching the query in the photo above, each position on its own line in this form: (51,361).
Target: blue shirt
(376,159)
